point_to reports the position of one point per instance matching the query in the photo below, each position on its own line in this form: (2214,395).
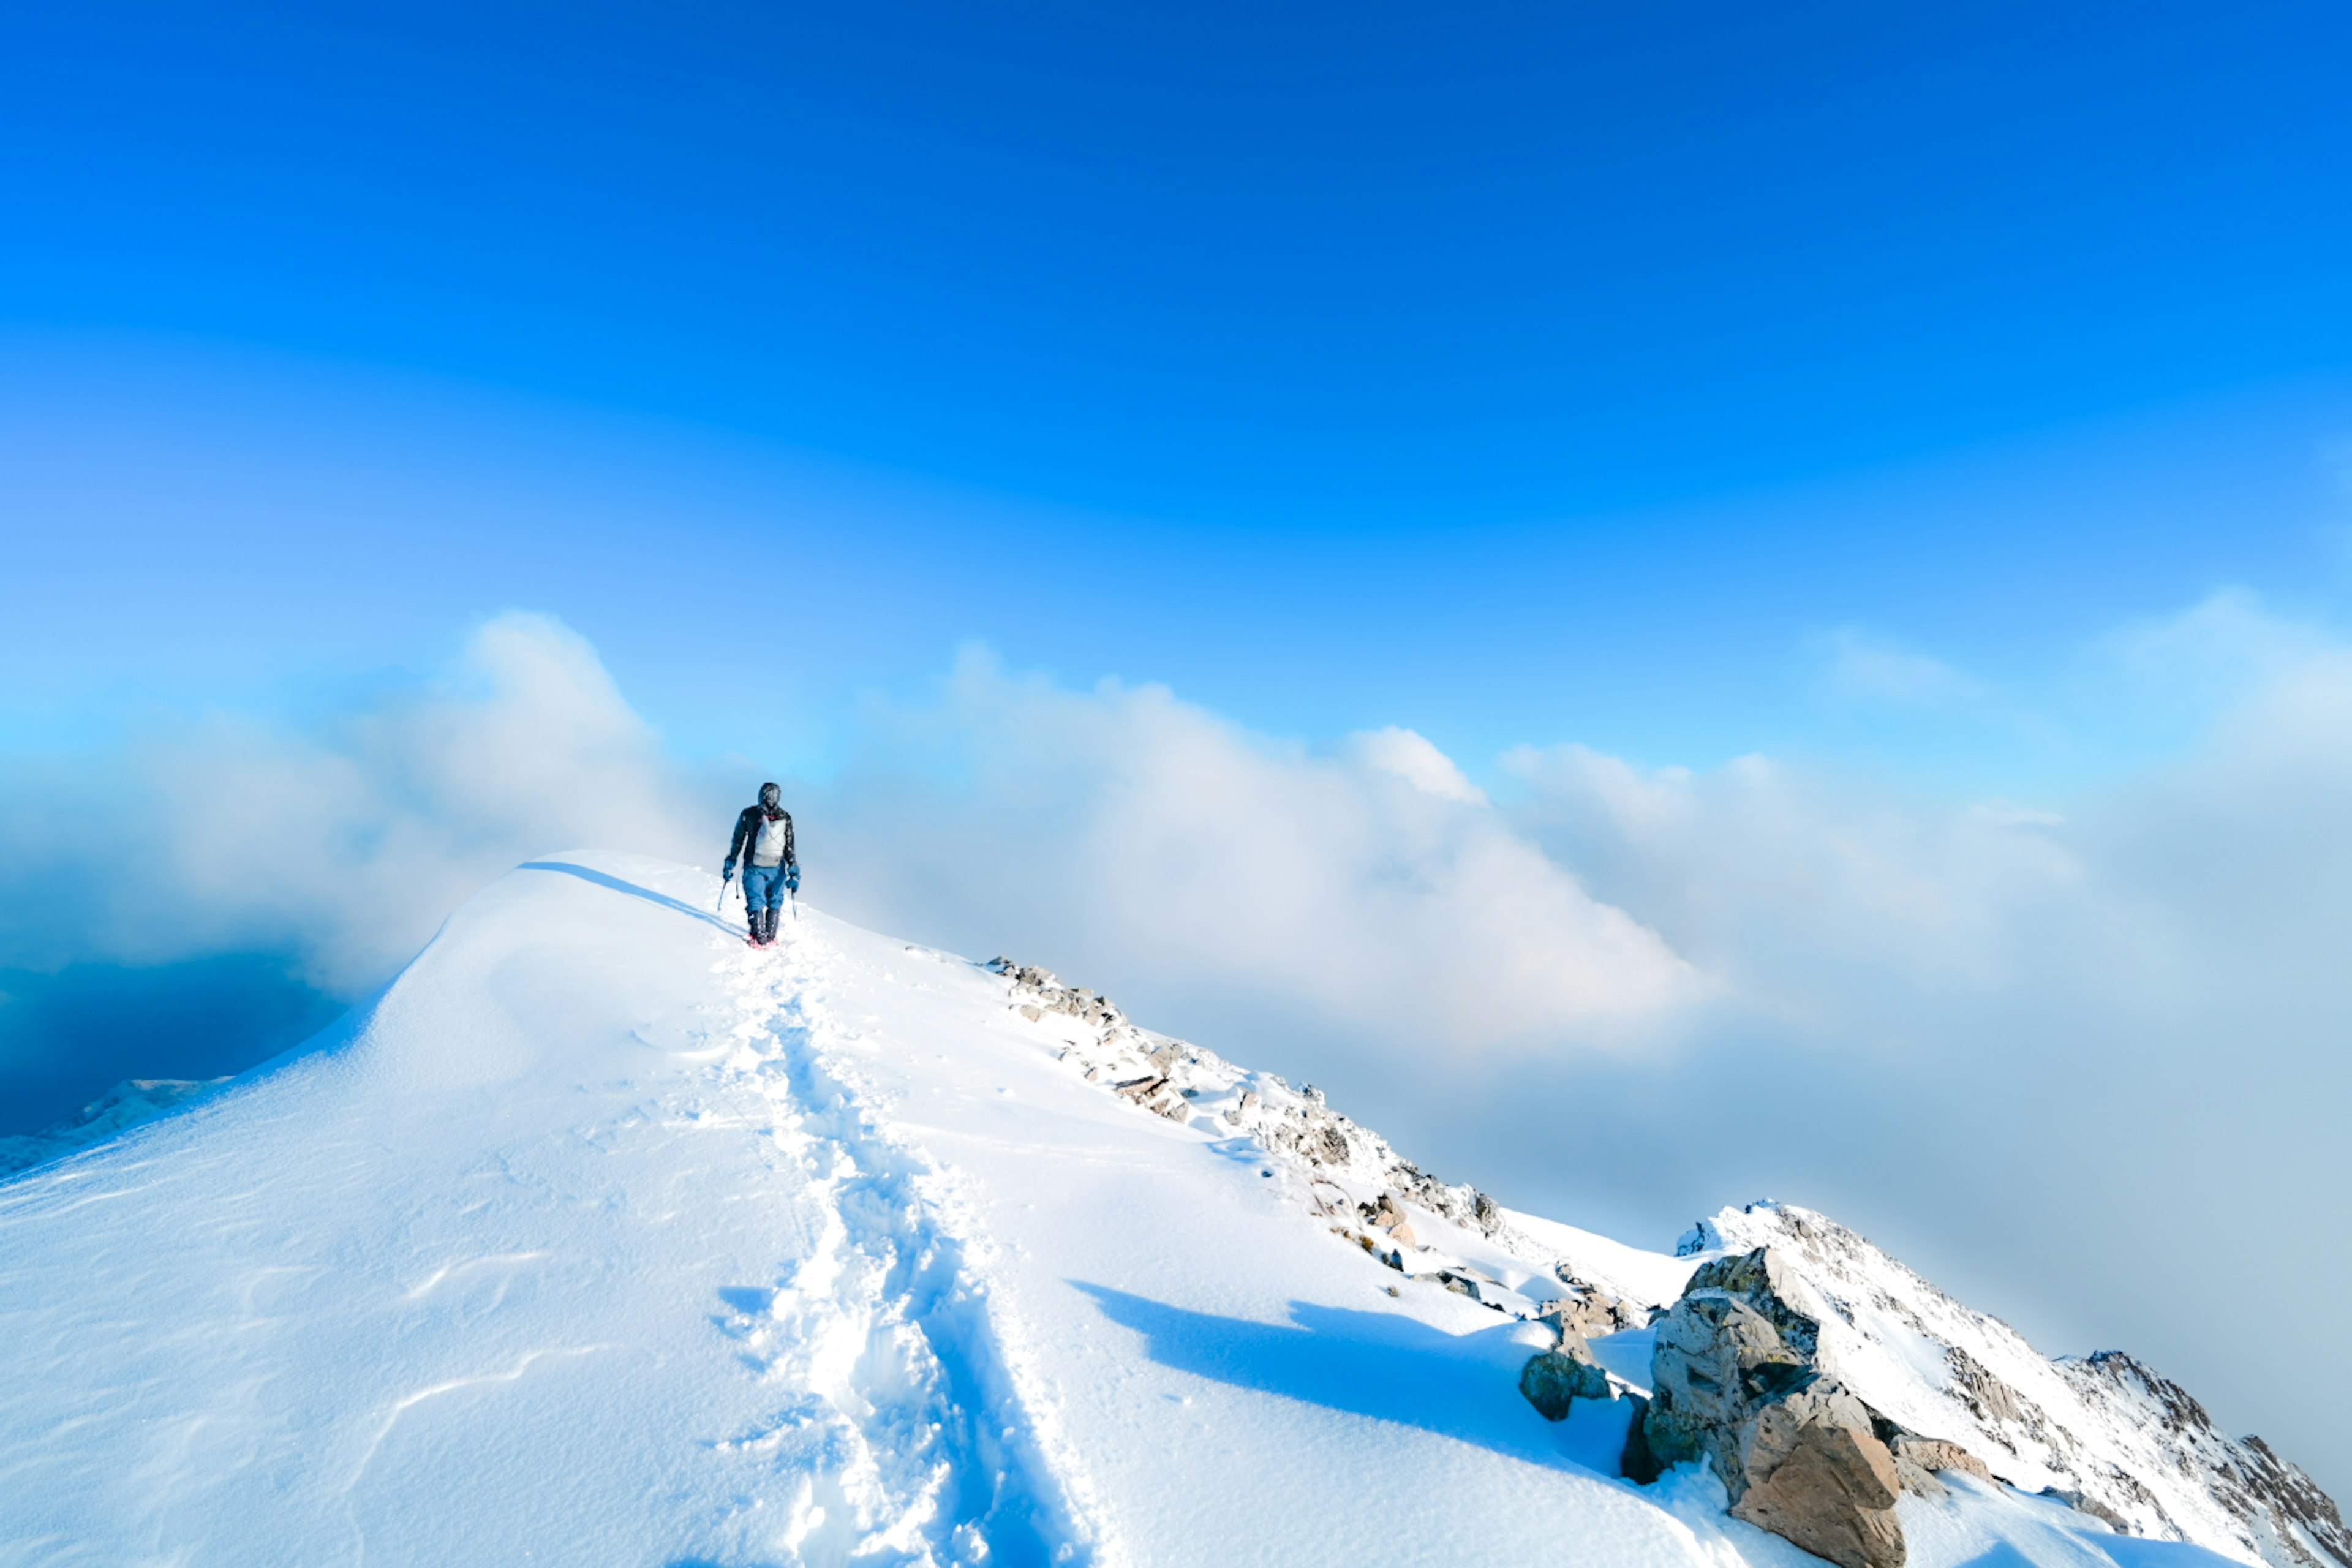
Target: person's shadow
(618,886)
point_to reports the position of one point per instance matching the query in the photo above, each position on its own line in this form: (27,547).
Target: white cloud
(1859,666)
(348,842)
(1115,829)
(1803,894)
(2220,650)
(1410,757)
(1123,829)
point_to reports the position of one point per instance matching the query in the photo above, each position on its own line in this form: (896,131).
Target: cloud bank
(344,841)
(1368,881)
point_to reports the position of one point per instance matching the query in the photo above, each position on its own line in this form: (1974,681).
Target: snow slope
(599,1238)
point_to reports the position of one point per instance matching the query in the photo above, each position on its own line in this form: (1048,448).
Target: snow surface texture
(599,1238)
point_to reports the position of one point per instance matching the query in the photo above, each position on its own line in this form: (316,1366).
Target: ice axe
(721,906)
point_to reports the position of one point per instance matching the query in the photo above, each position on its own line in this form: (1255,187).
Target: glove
(728,874)
(793,876)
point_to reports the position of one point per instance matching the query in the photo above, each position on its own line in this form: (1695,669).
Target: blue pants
(763,886)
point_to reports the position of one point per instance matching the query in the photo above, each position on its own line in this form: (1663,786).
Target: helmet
(771,797)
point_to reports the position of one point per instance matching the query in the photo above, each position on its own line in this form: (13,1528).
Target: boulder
(1636,1463)
(1552,1378)
(1740,1379)
(1386,1216)
(1818,1478)
(1933,1454)
(2091,1506)
(1919,1482)
(1590,1312)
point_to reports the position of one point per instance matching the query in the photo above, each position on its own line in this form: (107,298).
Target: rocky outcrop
(1738,1379)
(1552,1378)
(2104,1434)
(1590,1312)
(1744,1380)
(1917,1460)
(1165,1075)
(2283,1507)
(1383,1215)
(1823,1482)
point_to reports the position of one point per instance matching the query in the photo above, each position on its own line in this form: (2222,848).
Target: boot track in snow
(911,1437)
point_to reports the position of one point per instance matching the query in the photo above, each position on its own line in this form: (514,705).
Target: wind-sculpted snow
(599,1238)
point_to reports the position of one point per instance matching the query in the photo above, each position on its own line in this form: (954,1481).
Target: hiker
(764,843)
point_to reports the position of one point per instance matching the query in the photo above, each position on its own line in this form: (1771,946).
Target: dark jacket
(747,837)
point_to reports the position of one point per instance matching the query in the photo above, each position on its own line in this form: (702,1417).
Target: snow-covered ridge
(2104,1434)
(599,1238)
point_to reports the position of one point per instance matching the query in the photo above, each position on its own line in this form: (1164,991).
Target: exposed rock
(1553,1378)
(2090,1505)
(1820,1478)
(1297,1123)
(1919,1482)
(2296,1497)
(1738,1379)
(1987,1397)
(2104,1432)
(1919,1460)
(1933,1454)
(1590,1312)
(1463,1281)
(1636,1463)
(1386,1216)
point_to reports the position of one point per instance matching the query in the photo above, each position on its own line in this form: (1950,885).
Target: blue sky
(1818,535)
(1547,372)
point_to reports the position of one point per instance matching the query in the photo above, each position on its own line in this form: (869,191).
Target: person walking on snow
(764,843)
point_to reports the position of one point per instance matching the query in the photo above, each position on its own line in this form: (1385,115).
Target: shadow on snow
(604,880)
(1388,1366)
